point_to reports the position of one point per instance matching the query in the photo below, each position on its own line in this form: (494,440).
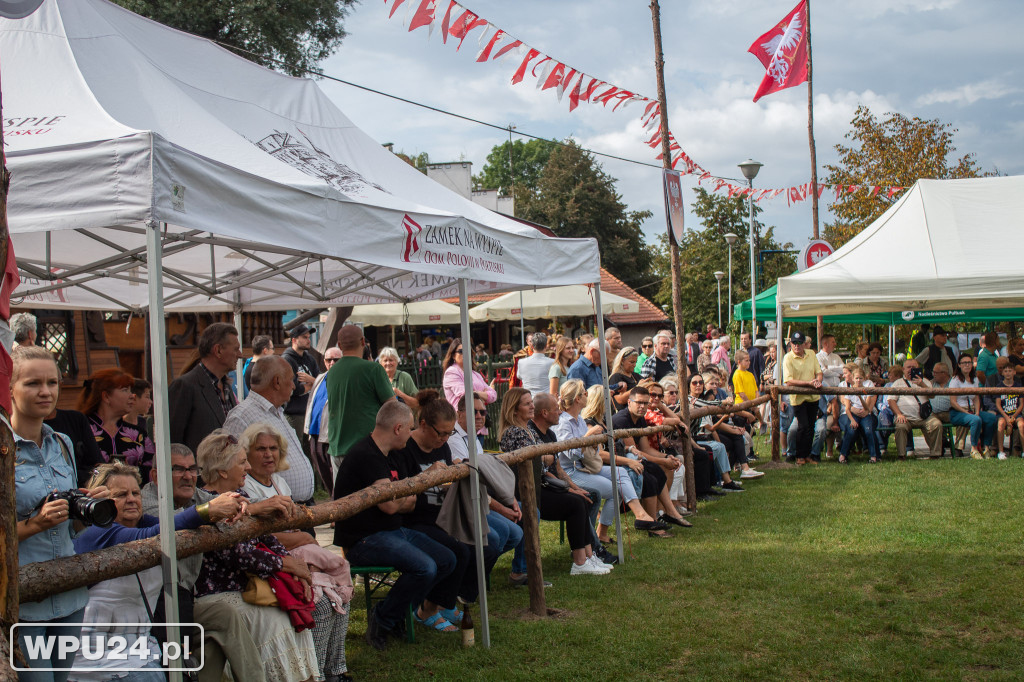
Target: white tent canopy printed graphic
(153,171)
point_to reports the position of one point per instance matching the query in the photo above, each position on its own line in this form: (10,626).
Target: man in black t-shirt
(375,536)
(655,463)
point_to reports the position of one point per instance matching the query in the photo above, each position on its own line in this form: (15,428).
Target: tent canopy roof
(532,304)
(936,248)
(116,122)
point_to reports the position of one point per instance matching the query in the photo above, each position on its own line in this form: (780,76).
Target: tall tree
(704,251)
(527,161)
(291,36)
(894,151)
(576,198)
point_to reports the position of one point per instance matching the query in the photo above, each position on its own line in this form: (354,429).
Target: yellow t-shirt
(804,368)
(743,382)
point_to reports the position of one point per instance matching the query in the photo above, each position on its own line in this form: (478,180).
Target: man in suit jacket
(201,398)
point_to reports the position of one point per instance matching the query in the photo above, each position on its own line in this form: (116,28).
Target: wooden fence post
(531,538)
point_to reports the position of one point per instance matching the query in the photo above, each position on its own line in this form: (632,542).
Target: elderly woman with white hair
(267,452)
(401,382)
(286,655)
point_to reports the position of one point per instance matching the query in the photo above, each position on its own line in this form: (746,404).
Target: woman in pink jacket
(455,383)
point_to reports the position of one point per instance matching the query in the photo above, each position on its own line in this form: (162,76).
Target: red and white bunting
(547,73)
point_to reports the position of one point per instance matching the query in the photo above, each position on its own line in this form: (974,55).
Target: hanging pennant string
(495,44)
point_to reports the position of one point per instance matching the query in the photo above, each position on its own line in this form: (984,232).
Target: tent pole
(161,430)
(239,378)
(474,475)
(608,420)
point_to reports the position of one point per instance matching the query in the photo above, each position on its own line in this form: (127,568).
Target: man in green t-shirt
(356,390)
(990,345)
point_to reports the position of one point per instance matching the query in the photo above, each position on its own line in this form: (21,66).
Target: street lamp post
(731,238)
(719,275)
(750,169)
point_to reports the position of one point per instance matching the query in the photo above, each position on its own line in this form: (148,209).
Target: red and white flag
(783,51)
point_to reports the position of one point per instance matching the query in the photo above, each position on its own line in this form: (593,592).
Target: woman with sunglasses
(454,382)
(704,434)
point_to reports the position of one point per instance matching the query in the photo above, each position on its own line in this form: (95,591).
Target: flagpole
(814,156)
(677,298)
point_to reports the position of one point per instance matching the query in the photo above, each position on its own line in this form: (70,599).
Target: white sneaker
(587,568)
(600,564)
(1001,455)
(751,473)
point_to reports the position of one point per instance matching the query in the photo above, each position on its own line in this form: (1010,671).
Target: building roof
(648,313)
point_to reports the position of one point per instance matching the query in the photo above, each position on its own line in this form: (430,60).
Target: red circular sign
(812,254)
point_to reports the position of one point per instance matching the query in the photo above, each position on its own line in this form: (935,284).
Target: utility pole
(820,327)
(677,303)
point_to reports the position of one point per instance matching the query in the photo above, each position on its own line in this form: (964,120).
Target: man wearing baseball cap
(800,368)
(937,352)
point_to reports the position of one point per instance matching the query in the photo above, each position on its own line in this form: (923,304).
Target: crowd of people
(350,422)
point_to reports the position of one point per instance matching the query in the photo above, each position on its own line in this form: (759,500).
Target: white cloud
(969,93)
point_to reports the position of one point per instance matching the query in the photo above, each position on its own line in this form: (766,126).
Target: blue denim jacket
(37,473)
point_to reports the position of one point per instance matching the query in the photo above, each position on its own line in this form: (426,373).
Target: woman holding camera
(44,464)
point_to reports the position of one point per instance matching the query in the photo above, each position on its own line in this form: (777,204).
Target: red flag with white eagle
(783,51)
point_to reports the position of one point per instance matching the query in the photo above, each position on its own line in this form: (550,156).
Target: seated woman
(106,400)
(286,655)
(876,367)
(623,371)
(514,433)
(571,424)
(401,382)
(427,448)
(267,452)
(729,433)
(44,463)
(858,415)
(966,410)
(659,414)
(704,434)
(132,598)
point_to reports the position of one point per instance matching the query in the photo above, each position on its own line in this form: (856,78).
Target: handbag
(591,462)
(259,592)
(924,409)
(552,482)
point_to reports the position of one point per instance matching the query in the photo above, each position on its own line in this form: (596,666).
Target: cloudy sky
(958,61)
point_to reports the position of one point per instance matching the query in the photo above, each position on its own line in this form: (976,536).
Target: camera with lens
(88,510)
(914,373)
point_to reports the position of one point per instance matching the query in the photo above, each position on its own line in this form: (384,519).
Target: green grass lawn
(902,570)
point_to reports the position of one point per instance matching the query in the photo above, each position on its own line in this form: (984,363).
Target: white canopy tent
(155,171)
(940,247)
(416,314)
(531,304)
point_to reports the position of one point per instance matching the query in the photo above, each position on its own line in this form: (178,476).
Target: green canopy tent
(766,311)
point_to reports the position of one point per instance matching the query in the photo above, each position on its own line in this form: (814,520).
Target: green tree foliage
(705,251)
(894,151)
(576,198)
(528,160)
(419,161)
(299,33)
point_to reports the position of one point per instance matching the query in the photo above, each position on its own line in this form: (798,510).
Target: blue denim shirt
(586,371)
(37,473)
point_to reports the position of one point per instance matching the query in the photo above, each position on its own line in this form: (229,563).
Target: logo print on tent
(307,158)
(410,252)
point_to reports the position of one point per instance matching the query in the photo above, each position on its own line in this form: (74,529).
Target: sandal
(453,616)
(843,460)
(436,622)
(609,541)
(659,534)
(873,460)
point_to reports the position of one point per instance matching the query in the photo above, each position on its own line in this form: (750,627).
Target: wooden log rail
(41,579)
(882,390)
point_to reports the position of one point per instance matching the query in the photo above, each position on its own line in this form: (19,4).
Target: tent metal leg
(608,423)
(161,430)
(474,475)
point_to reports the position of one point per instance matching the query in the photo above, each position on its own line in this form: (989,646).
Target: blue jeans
(145,675)
(983,427)
(866,426)
(43,629)
(817,441)
(423,563)
(519,556)
(503,536)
